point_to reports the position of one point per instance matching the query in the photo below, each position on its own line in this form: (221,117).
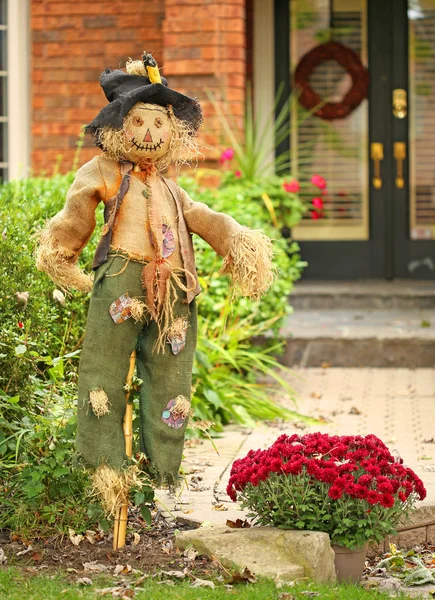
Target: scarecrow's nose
(148,137)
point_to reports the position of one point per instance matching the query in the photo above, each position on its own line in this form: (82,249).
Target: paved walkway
(397,405)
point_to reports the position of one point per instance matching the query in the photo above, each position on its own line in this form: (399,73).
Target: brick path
(397,405)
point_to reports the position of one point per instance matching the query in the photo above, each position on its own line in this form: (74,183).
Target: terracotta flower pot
(349,564)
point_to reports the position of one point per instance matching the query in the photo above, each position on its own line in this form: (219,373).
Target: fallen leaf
(59,297)
(425,323)
(124,569)
(3,557)
(424,457)
(95,567)
(84,581)
(71,570)
(286,596)
(176,574)
(202,583)
(75,539)
(316,395)
(190,553)
(26,551)
(326,365)
(355,411)
(22,298)
(429,441)
(244,576)
(91,536)
(220,506)
(136,539)
(188,512)
(36,556)
(238,524)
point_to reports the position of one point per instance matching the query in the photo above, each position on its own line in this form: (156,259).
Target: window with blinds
(3,92)
(335,150)
(422,117)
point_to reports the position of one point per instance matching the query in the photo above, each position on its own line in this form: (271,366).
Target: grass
(16,585)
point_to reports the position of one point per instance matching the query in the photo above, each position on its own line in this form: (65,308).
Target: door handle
(377,154)
(400,156)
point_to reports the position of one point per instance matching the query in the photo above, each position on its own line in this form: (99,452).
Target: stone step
(397,294)
(360,338)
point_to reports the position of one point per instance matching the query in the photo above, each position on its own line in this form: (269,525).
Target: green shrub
(42,484)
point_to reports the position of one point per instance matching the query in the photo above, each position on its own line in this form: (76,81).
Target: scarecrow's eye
(158,122)
(138,121)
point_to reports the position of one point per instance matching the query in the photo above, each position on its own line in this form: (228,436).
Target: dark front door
(377,217)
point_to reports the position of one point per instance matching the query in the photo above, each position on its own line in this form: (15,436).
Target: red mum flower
(373,497)
(335,492)
(387,500)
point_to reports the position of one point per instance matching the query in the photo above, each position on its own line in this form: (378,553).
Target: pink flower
(227,155)
(314,215)
(318,182)
(20,325)
(292,186)
(317,202)
(238,174)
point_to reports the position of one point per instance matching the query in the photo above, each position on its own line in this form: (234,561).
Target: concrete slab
(360,337)
(363,294)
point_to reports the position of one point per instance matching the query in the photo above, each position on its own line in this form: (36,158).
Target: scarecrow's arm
(66,234)
(247,253)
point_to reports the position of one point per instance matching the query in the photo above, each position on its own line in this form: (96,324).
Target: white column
(264,70)
(18,83)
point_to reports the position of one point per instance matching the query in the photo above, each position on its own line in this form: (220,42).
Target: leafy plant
(347,486)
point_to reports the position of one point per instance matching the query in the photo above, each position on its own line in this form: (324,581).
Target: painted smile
(147,146)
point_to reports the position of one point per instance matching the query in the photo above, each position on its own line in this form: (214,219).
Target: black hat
(123,91)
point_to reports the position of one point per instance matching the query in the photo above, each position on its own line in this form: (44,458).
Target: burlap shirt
(99,181)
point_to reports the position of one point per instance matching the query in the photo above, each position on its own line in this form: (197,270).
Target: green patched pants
(104,365)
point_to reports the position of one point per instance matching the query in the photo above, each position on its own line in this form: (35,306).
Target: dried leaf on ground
(84,581)
(74,538)
(95,567)
(91,536)
(238,524)
(36,556)
(245,576)
(220,506)
(355,411)
(176,574)
(316,395)
(122,569)
(3,557)
(190,553)
(202,583)
(26,551)
(136,539)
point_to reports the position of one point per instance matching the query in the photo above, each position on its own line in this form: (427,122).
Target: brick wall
(72,41)
(199,44)
(205,49)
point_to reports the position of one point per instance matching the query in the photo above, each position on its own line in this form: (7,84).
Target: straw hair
(135,67)
(183,147)
(60,264)
(99,402)
(177,328)
(181,407)
(249,262)
(112,486)
(137,309)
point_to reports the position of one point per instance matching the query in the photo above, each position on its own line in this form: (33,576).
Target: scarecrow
(145,284)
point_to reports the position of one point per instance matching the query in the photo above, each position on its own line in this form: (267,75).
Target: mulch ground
(149,551)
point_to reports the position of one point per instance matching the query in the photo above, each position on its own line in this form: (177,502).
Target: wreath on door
(350,61)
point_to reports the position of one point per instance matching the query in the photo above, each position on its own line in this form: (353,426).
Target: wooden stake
(120,524)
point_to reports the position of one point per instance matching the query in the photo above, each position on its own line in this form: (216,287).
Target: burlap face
(104,366)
